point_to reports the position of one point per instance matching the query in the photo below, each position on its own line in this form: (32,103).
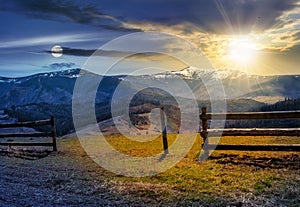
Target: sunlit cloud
(267,29)
(286,34)
(281,36)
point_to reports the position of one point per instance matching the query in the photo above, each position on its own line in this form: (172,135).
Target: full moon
(57,51)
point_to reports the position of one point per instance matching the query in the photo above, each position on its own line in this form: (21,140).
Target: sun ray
(241,53)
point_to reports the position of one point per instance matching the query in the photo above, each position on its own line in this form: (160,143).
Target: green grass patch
(227,176)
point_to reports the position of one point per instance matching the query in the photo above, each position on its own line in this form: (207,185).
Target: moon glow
(57,51)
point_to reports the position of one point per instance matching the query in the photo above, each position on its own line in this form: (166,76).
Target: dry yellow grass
(252,178)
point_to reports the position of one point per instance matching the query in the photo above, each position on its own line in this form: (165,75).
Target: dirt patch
(64,178)
(28,154)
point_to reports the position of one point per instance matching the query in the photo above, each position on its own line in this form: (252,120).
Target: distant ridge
(57,87)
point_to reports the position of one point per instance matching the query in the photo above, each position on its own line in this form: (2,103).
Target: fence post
(204,134)
(164,130)
(53,132)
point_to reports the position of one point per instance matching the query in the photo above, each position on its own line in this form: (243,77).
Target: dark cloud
(89,52)
(76,52)
(109,53)
(231,16)
(219,16)
(296,36)
(58,66)
(61,10)
(291,37)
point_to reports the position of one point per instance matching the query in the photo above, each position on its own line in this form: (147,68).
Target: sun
(242,51)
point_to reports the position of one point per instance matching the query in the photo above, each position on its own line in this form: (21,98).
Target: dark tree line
(287,105)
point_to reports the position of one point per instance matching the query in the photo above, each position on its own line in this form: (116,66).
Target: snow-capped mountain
(45,87)
(52,87)
(57,87)
(41,95)
(235,84)
(192,72)
(72,73)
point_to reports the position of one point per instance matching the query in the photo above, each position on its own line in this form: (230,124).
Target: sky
(254,36)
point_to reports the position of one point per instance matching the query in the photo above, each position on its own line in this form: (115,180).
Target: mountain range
(57,87)
(40,95)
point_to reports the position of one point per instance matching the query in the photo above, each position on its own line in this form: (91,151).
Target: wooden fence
(164,131)
(248,132)
(51,133)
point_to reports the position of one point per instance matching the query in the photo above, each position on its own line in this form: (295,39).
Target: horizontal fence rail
(42,144)
(52,133)
(247,132)
(27,124)
(252,115)
(277,147)
(254,132)
(36,134)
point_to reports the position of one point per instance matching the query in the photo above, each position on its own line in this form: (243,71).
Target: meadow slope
(70,178)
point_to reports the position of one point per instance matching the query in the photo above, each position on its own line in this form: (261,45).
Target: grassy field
(227,178)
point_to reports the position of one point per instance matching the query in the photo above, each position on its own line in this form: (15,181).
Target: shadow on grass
(290,161)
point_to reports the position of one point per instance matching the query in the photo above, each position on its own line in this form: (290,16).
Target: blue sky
(267,32)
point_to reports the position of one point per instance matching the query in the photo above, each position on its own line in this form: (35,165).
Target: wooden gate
(51,133)
(205,132)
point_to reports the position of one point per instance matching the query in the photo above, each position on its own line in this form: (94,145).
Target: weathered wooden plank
(294,147)
(26,144)
(164,130)
(27,124)
(252,115)
(250,132)
(254,132)
(36,134)
(204,133)
(53,133)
